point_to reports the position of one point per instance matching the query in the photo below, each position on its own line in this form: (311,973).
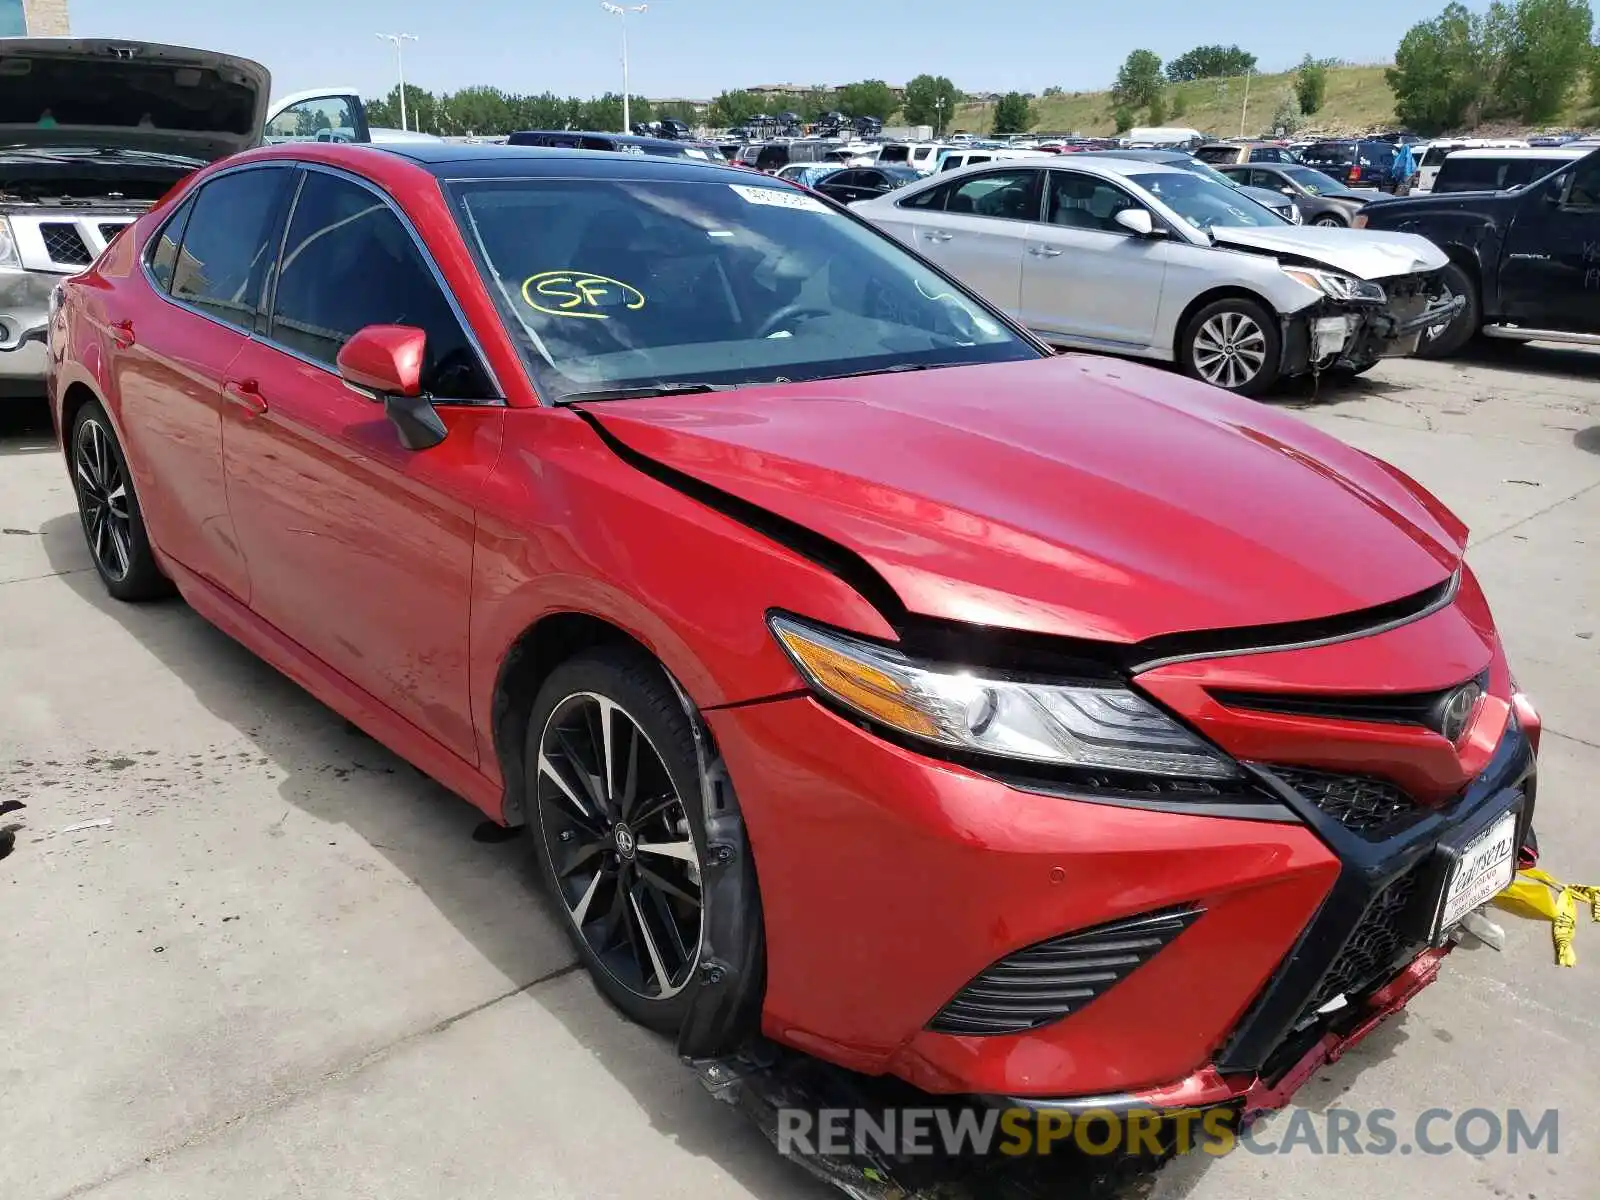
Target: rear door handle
(122,334)
(938,235)
(1044,252)
(246,393)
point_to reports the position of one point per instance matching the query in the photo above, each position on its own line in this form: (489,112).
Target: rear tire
(108,506)
(1443,341)
(1233,344)
(621,848)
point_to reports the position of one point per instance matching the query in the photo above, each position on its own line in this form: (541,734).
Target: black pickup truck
(1527,260)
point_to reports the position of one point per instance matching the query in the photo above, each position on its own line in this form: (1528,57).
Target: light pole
(399,40)
(1246,106)
(622,10)
(938,117)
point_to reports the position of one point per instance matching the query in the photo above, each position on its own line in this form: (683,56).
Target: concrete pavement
(249,953)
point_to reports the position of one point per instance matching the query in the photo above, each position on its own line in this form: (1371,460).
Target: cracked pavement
(249,953)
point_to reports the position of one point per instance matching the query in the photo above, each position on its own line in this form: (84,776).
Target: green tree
(1139,79)
(480,110)
(422,110)
(1158,110)
(734,108)
(682,110)
(1123,116)
(605,112)
(869,98)
(1210,62)
(1013,113)
(1438,73)
(1311,85)
(1050,92)
(1594,77)
(930,100)
(1538,49)
(1286,117)
(1180,103)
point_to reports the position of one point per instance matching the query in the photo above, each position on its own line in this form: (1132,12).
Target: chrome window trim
(498,399)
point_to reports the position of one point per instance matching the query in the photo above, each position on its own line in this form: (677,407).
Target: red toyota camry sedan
(866,677)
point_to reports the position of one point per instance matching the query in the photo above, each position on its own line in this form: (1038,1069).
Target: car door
(303,116)
(1550,267)
(359,549)
(979,232)
(1085,277)
(169,356)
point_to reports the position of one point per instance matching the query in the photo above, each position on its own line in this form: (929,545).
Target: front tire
(1233,344)
(108,506)
(619,832)
(1329,221)
(1441,341)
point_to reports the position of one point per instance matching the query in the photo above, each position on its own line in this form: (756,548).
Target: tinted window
(1585,190)
(619,283)
(348,263)
(1471,174)
(932,198)
(1436,155)
(164,254)
(228,244)
(1086,202)
(1266,154)
(1326,153)
(1217,154)
(894,154)
(1009,195)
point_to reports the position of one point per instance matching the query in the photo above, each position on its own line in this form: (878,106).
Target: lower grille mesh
(1373,949)
(1046,981)
(65,244)
(1371,808)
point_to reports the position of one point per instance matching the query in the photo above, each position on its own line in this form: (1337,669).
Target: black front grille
(1045,982)
(64,244)
(1371,808)
(1375,947)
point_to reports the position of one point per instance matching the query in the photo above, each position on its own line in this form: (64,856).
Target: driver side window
(1008,195)
(320,119)
(1585,190)
(1087,202)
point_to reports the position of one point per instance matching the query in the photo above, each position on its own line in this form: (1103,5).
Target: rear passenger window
(349,262)
(229,244)
(933,198)
(164,254)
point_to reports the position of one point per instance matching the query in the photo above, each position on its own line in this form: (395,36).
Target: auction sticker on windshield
(779,198)
(1484,870)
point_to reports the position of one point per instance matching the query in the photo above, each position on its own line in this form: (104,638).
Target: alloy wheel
(1434,332)
(1229,349)
(1329,222)
(103,500)
(617,837)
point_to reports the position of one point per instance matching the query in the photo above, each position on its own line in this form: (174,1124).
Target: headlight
(8,247)
(1331,283)
(1359,221)
(1058,724)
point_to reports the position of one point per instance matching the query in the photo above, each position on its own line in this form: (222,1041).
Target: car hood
(108,94)
(1075,496)
(1361,252)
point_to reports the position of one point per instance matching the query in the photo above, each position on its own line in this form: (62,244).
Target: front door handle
(122,334)
(246,393)
(938,235)
(1044,252)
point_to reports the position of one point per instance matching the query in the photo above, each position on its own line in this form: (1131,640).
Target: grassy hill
(1357,99)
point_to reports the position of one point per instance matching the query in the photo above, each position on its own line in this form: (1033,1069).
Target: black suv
(1527,260)
(1363,163)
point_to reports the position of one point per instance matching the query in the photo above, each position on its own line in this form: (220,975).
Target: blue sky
(700,47)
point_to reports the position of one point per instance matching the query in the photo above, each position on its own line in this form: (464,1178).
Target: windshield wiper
(892,369)
(644,392)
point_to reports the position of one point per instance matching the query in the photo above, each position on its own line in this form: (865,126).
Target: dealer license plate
(1484,870)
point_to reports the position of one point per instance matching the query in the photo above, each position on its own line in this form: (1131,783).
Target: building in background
(34,18)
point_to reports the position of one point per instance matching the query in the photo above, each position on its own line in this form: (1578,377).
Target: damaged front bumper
(1338,334)
(24,327)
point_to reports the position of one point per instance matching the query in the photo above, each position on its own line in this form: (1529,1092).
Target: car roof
(455,160)
(1146,156)
(1518,152)
(621,139)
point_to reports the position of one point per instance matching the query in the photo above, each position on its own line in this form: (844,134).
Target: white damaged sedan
(1134,258)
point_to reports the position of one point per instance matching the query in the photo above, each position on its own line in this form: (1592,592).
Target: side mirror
(384,362)
(1136,221)
(1287,190)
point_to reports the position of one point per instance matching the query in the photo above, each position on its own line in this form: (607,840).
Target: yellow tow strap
(1538,893)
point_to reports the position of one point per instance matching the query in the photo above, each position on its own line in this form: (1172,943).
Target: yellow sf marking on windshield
(573,292)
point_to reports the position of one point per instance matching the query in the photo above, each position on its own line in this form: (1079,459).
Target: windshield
(1316,182)
(894,154)
(630,283)
(1204,170)
(1205,204)
(1218,154)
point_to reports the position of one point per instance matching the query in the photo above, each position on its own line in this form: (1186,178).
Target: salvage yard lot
(248,953)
